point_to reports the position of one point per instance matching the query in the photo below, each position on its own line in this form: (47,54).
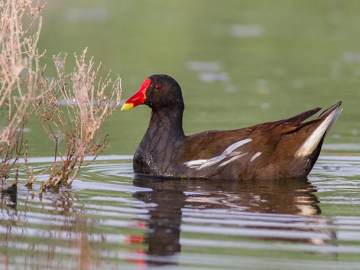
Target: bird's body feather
(287,148)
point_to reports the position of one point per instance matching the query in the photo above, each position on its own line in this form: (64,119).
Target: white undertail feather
(227,153)
(312,142)
(333,120)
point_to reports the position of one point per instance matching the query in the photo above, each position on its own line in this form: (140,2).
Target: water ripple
(110,221)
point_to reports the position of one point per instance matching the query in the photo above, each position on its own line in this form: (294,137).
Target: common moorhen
(287,148)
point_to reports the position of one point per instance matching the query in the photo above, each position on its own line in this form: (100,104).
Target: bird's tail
(328,118)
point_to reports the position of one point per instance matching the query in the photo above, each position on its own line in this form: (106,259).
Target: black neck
(166,123)
(162,141)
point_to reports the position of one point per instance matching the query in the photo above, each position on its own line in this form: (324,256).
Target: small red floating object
(139,261)
(137,224)
(134,239)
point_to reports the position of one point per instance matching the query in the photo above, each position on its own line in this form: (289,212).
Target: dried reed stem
(80,121)
(20,75)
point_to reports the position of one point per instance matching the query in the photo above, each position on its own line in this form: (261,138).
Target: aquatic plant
(72,106)
(20,73)
(75,110)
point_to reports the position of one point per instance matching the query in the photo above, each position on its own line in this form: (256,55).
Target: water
(108,220)
(239,63)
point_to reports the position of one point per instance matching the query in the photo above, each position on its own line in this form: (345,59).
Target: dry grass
(25,90)
(19,74)
(80,121)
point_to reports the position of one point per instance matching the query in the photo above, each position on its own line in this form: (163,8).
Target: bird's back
(283,149)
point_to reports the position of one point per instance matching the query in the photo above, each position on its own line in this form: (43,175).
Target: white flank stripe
(255,156)
(309,145)
(195,163)
(228,152)
(235,145)
(231,159)
(212,161)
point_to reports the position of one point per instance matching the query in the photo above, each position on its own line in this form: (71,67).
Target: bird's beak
(138,98)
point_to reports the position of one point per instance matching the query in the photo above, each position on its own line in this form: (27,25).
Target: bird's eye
(157,87)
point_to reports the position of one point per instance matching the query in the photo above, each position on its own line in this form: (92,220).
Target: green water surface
(266,60)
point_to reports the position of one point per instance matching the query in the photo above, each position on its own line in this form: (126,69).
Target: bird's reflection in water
(169,199)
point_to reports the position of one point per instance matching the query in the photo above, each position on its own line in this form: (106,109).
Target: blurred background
(239,63)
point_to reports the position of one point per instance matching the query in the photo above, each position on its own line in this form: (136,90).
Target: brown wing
(234,153)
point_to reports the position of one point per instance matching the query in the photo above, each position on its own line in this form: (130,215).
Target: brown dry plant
(20,75)
(71,107)
(75,111)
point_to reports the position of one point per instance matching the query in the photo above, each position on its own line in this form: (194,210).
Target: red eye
(157,87)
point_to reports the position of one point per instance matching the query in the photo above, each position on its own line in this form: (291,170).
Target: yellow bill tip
(127,106)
